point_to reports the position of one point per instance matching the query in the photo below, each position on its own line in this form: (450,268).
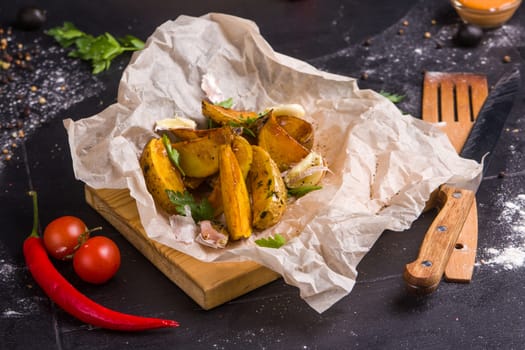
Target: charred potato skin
(235,198)
(268,191)
(160,175)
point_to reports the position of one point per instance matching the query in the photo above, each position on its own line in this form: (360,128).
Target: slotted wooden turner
(455,99)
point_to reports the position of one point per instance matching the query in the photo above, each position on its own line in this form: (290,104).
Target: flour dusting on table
(512,255)
(11,304)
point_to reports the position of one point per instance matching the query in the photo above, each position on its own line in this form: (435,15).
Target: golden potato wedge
(228,116)
(243,152)
(283,148)
(269,194)
(160,174)
(200,157)
(236,202)
(185,134)
(298,128)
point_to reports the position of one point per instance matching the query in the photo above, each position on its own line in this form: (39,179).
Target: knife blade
(424,274)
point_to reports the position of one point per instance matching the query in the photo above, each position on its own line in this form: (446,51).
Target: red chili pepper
(69,298)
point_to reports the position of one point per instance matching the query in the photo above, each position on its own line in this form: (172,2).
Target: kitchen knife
(424,274)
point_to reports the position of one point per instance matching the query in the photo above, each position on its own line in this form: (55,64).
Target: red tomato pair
(95,259)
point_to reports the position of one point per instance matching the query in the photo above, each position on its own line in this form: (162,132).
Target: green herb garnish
(245,130)
(100,50)
(200,211)
(276,241)
(301,191)
(395,98)
(173,154)
(245,124)
(226,103)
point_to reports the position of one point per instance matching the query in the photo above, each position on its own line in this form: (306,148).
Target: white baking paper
(384,164)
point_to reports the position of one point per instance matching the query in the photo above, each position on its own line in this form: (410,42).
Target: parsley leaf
(65,35)
(100,50)
(245,130)
(200,211)
(130,42)
(173,154)
(395,98)
(226,103)
(245,124)
(301,191)
(276,241)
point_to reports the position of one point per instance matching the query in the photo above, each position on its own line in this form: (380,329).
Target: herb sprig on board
(99,50)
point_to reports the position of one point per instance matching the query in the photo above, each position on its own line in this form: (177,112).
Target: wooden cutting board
(208,284)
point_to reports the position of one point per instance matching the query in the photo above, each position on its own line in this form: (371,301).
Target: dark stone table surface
(349,37)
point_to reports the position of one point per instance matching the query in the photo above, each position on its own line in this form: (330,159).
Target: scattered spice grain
(33,81)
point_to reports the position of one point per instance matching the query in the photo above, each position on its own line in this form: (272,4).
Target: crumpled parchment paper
(384,164)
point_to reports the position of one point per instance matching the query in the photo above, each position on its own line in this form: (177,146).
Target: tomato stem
(98,228)
(85,236)
(34,231)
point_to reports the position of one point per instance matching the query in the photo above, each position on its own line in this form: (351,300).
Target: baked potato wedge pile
(242,169)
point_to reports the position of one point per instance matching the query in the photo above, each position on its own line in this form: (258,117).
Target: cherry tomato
(64,235)
(97,260)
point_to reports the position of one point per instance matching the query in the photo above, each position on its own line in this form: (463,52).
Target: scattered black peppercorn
(30,18)
(26,112)
(468,35)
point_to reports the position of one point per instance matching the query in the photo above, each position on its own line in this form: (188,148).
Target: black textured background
(378,314)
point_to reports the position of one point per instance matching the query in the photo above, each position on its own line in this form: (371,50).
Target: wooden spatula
(455,99)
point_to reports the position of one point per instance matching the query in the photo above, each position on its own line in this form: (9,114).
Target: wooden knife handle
(424,274)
